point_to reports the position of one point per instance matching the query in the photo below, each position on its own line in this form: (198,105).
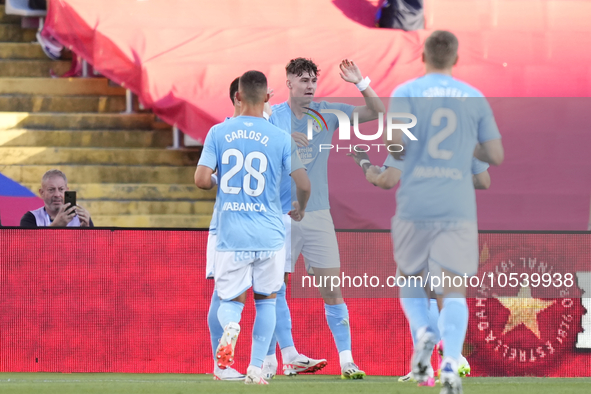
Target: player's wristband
(364,84)
(214,179)
(364,161)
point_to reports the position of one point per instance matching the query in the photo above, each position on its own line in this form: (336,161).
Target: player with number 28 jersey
(249,204)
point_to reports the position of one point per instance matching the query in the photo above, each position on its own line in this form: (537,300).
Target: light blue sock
(283,325)
(337,317)
(415,305)
(262,331)
(229,311)
(434,319)
(273,345)
(454,323)
(215,329)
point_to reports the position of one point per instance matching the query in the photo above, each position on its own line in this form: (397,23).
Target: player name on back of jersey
(438,91)
(437,172)
(247,135)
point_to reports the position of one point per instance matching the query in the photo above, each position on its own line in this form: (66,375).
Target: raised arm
(373,105)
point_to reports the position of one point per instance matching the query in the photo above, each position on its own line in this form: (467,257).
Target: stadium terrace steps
(103,173)
(75,121)
(32,68)
(60,86)
(119,164)
(178,221)
(12,32)
(27,103)
(20,50)
(88,138)
(107,156)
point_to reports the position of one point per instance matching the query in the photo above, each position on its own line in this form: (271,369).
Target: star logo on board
(524,310)
(518,323)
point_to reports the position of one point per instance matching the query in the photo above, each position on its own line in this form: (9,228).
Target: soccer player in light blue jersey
(250,156)
(435,221)
(294,362)
(386,177)
(315,236)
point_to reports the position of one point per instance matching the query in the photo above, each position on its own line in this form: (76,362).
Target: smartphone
(70,197)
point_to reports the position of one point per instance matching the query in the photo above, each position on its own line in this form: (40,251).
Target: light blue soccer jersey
(250,155)
(477,165)
(452,117)
(316,162)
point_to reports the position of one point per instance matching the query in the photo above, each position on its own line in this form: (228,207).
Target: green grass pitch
(81,383)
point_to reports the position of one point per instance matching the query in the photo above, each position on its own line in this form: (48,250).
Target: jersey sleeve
(291,159)
(392,162)
(478,166)
(208,155)
(487,126)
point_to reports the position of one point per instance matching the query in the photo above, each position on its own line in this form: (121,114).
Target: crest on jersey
(248,124)
(317,125)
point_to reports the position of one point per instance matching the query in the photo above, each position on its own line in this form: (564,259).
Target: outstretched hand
(350,72)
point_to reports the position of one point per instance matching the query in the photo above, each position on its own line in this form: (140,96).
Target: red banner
(76,300)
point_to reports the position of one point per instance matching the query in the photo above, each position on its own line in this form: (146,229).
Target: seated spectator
(55,213)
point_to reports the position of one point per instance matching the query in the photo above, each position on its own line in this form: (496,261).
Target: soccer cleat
(464,367)
(253,377)
(225,352)
(421,358)
(227,374)
(429,383)
(407,378)
(451,383)
(303,364)
(352,371)
(270,369)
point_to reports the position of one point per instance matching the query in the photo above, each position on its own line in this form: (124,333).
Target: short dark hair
(253,87)
(441,49)
(300,65)
(234,89)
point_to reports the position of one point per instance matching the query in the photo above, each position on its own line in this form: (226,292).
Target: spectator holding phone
(55,212)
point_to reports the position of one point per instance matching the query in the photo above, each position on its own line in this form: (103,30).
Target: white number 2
(251,172)
(452,124)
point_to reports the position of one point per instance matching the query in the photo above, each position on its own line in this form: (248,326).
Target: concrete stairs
(118,163)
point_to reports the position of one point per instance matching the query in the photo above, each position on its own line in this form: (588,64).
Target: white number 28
(251,172)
